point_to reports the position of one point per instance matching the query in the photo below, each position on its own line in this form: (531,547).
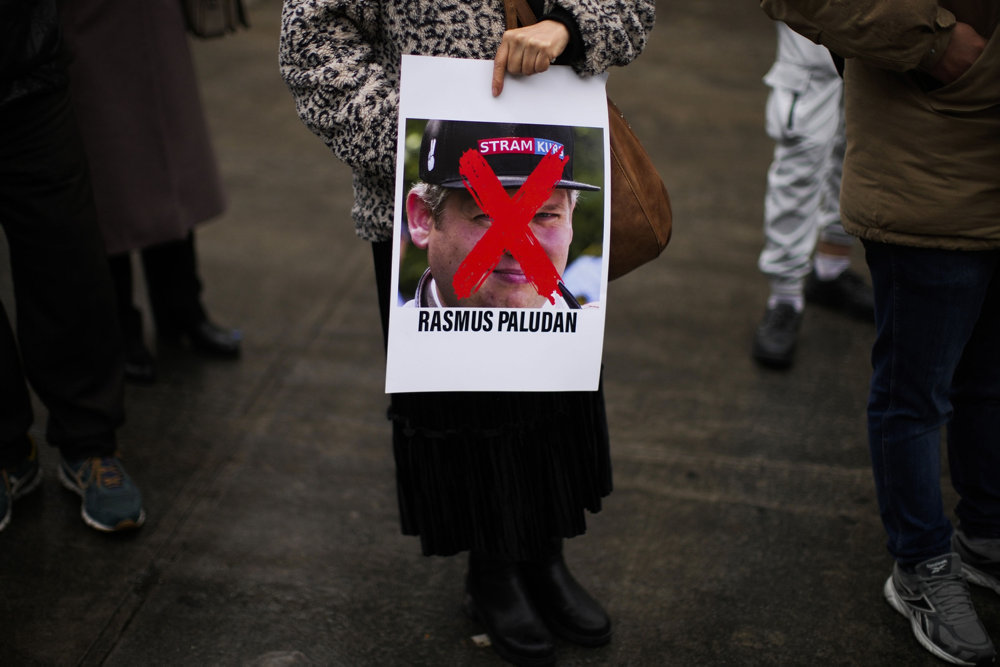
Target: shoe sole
(125,524)
(775,363)
(889,591)
(980,578)
(779,362)
(469,607)
(589,641)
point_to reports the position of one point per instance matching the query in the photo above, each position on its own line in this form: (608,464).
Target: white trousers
(805,117)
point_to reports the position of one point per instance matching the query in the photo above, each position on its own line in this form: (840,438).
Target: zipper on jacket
(791,110)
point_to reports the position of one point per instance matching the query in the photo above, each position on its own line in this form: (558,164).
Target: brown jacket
(923,160)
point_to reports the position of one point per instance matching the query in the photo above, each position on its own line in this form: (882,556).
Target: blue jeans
(935,363)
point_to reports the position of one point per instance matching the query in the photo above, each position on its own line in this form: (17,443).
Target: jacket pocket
(803,105)
(977,89)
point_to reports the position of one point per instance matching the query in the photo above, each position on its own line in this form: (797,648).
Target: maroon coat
(136,97)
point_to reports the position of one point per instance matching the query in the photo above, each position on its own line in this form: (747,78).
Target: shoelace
(107,473)
(952,598)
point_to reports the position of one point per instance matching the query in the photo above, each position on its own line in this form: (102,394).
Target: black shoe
(774,341)
(567,609)
(495,596)
(207,338)
(848,293)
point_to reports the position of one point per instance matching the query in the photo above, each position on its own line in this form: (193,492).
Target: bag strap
(518,11)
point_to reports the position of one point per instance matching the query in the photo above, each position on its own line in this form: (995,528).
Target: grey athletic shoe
(936,599)
(980,560)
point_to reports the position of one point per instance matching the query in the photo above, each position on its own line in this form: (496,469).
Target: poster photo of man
(445,218)
(501,231)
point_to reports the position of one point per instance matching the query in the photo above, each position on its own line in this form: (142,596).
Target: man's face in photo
(461,224)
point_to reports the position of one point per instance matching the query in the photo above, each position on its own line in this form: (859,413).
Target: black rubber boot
(495,597)
(567,609)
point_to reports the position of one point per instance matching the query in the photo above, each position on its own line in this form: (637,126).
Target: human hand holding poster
(496,197)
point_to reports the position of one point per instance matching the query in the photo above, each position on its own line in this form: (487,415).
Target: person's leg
(174,287)
(139,366)
(974,429)
(173,284)
(803,123)
(833,240)
(790,204)
(16,413)
(831,282)
(927,303)
(67,321)
(19,471)
(973,448)
(495,594)
(382,259)
(66,317)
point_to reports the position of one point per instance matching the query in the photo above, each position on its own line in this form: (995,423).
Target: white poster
(501,230)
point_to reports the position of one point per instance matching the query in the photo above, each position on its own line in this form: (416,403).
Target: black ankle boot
(205,337)
(495,596)
(567,609)
(211,339)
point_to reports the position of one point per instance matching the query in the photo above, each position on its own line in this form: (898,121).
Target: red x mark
(509,231)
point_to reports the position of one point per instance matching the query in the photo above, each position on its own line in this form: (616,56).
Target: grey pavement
(742,529)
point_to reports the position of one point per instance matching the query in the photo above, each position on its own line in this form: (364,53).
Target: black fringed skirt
(497,472)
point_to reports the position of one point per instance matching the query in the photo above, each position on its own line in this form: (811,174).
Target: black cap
(512,150)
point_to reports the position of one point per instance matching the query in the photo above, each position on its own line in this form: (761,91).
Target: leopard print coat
(341,60)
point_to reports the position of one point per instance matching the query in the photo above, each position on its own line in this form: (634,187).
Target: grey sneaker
(936,599)
(17,481)
(980,560)
(111,501)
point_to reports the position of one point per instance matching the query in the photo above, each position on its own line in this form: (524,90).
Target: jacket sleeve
(613,33)
(341,91)
(901,35)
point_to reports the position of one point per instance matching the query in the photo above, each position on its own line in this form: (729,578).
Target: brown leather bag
(641,217)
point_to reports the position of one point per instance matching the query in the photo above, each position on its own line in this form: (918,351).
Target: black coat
(31,57)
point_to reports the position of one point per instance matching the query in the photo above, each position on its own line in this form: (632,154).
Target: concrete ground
(742,529)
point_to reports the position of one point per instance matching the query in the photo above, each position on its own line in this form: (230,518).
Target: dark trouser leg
(121,277)
(974,429)
(139,364)
(174,287)
(382,256)
(175,297)
(66,318)
(15,403)
(927,305)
